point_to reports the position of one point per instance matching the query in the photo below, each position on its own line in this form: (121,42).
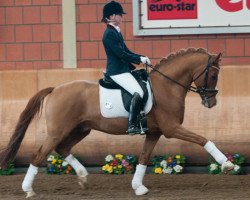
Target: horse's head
(204,70)
(206,81)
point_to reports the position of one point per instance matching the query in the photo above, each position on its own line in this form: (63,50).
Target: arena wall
(31,37)
(227,124)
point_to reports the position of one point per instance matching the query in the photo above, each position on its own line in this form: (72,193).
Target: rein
(201,91)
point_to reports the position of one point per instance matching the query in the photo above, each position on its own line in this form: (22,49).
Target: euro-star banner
(194,13)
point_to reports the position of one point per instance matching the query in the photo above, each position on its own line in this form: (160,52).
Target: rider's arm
(144,59)
(115,45)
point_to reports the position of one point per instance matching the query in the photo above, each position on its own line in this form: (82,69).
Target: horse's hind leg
(65,147)
(148,146)
(184,134)
(49,144)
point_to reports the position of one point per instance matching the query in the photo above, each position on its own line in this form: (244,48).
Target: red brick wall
(235,47)
(31,36)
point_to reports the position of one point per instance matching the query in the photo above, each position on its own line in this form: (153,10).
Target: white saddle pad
(111,103)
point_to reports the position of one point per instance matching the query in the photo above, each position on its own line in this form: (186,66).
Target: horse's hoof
(227,166)
(141,190)
(82,181)
(30,194)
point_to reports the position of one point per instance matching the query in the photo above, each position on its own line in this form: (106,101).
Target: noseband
(202,91)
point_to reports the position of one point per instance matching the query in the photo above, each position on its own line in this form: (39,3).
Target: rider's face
(116,19)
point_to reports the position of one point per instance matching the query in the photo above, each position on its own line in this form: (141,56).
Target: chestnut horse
(73,109)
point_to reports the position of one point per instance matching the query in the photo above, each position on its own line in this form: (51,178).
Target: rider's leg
(129,83)
(134,111)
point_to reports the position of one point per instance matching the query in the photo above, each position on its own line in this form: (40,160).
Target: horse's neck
(180,69)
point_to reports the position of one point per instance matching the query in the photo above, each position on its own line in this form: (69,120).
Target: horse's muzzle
(209,102)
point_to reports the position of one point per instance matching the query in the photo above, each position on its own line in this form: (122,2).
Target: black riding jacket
(119,57)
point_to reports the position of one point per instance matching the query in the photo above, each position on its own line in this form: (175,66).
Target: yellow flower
(158,170)
(119,156)
(105,167)
(110,169)
(177,156)
(53,161)
(59,161)
(119,166)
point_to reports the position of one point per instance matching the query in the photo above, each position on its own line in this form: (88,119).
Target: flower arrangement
(56,165)
(168,164)
(8,171)
(237,159)
(119,164)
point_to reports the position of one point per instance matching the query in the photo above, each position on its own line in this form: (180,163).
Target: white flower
(167,170)
(163,164)
(109,158)
(50,158)
(65,163)
(178,168)
(213,166)
(236,167)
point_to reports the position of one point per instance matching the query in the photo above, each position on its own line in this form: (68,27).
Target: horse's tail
(33,107)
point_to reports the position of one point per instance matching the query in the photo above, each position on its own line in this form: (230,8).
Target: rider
(119,59)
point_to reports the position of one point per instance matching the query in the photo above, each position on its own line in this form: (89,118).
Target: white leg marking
(29,179)
(215,152)
(137,184)
(226,165)
(79,168)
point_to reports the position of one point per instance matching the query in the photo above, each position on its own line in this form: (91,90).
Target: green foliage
(8,171)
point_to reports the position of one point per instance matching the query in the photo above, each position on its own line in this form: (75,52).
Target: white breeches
(128,82)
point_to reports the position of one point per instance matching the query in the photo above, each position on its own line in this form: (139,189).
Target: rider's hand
(145,60)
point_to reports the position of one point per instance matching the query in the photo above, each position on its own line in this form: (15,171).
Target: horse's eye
(214,77)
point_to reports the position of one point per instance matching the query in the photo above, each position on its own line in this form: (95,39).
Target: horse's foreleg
(65,147)
(184,134)
(137,182)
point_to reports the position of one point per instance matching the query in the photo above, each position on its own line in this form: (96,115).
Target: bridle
(202,91)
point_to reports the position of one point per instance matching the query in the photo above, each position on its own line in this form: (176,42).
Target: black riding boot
(134,111)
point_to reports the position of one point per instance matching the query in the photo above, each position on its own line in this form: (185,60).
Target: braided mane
(182,52)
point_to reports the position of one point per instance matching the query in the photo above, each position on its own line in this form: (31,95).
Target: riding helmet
(111,8)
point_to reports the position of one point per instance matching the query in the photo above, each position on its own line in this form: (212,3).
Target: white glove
(145,60)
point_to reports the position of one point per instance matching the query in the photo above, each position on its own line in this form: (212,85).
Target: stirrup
(133,130)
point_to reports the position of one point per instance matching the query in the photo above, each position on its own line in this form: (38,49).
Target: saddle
(140,75)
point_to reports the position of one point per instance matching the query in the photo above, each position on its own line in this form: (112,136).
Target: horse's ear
(218,58)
